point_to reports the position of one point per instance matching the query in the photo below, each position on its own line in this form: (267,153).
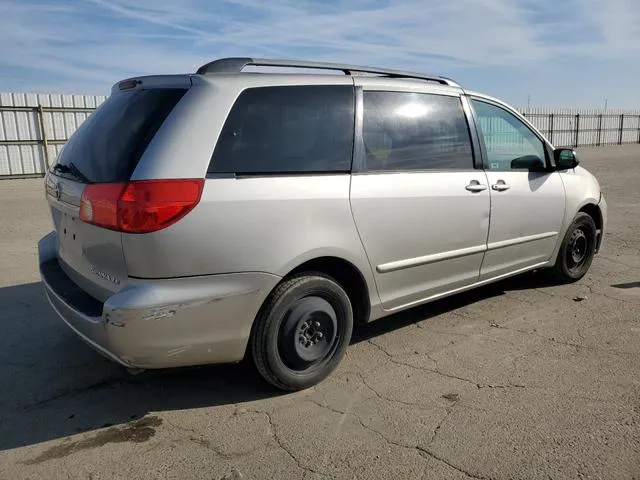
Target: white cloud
(102,41)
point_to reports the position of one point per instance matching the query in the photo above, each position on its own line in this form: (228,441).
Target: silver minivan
(202,217)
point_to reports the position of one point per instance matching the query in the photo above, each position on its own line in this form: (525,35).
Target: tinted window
(415,131)
(287,130)
(507,139)
(108,145)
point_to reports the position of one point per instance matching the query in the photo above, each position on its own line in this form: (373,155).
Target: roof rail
(237,64)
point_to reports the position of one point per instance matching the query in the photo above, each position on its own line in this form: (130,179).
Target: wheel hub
(309,332)
(578,246)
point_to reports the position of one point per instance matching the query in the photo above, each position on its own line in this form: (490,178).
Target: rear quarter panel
(260,224)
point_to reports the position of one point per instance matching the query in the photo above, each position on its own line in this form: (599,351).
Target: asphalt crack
(449,411)
(203,442)
(440,372)
(509,385)
(415,367)
(362,424)
(434,456)
(274,435)
(393,400)
(422,451)
(440,332)
(566,344)
(199,439)
(71,392)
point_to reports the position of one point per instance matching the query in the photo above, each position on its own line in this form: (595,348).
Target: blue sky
(566,53)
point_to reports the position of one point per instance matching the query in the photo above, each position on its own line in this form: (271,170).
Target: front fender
(581,190)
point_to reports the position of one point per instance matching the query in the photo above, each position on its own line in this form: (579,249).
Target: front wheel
(302,331)
(577,250)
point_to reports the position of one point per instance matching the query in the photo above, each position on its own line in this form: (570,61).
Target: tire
(302,331)
(576,251)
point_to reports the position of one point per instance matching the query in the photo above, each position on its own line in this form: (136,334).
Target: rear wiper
(71,169)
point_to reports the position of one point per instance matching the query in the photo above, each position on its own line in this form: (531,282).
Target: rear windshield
(108,145)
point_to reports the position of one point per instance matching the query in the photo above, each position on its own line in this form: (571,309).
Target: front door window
(509,143)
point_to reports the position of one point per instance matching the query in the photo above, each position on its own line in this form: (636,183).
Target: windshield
(108,145)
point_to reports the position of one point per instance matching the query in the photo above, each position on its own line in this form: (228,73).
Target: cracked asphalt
(518,380)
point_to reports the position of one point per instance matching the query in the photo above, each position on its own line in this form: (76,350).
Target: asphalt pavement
(517,380)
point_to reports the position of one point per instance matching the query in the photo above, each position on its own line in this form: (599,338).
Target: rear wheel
(302,331)
(577,250)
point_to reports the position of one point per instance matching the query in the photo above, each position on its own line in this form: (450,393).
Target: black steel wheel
(302,331)
(577,250)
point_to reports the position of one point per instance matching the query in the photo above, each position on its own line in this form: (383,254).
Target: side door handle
(475,186)
(500,186)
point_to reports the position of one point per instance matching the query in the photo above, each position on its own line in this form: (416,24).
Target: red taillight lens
(149,205)
(139,206)
(99,204)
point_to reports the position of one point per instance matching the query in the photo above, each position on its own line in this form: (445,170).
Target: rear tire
(576,251)
(302,331)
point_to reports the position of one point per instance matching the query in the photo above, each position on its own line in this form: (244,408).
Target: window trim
(548,150)
(477,142)
(358,156)
(310,173)
(359,151)
(246,175)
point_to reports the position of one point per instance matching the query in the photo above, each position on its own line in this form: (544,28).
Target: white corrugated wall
(21,148)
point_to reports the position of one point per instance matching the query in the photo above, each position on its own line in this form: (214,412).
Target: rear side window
(415,131)
(108,145)
(287,129)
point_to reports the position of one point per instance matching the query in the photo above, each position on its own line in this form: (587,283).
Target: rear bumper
(160,323)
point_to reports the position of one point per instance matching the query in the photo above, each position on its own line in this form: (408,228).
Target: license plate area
(69,236)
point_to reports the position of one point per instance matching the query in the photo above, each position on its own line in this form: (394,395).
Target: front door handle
(475,186)
(500,186)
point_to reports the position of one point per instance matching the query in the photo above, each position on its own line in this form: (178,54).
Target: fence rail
(587,129)
(34,127)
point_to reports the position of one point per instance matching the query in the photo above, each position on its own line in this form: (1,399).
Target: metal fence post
(577,130)
(598,142)
(638,128)
(551,127)
(621,129)
(43,134)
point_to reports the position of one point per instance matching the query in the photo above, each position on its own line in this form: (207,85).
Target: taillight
(99,204)
(140,206)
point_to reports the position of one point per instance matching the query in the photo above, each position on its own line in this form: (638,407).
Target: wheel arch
(594,212)
(348,276)
(345,273)
(589,206)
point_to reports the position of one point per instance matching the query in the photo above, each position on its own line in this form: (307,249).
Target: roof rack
(237,64)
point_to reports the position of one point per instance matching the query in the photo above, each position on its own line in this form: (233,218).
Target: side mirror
(566,158)
(528,162)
